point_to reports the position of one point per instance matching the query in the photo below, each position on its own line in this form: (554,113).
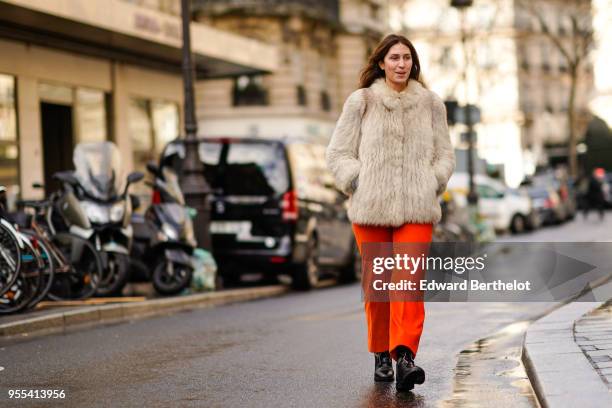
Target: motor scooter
(164,240)
(95,205)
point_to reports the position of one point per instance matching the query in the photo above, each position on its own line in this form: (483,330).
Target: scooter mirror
(134,177)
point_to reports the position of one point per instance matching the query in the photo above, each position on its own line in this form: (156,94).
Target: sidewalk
(593,334)
(568,354)
(60,319)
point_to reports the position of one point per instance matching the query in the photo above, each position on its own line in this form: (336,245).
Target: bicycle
(74,267)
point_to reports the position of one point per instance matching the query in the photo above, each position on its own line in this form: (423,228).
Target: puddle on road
(491,370)
(384,395)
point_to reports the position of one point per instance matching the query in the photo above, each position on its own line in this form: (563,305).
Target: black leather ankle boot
(408,373)
(383,367)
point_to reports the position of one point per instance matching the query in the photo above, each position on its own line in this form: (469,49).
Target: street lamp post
(193,183)
(472,197)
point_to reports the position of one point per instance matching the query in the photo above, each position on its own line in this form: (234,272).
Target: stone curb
(93,315)
(557,368)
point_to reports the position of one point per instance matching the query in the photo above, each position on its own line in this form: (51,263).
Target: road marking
(1,368)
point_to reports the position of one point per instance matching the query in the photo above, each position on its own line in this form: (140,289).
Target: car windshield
(98,169)
(237,167)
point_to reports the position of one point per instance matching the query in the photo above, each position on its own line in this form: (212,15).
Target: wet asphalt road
(303,350)
(300,350)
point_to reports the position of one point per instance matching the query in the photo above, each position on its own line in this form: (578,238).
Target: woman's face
(397,64)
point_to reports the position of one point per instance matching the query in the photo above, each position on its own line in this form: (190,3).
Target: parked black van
(274,209)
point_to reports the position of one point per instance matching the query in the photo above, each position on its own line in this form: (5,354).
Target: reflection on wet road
(384,395)
(491,369)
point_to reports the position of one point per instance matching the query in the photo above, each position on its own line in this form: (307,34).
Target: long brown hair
(372,70)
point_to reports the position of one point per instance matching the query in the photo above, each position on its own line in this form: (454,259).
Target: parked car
(454,226)
(274,208)
(547,204)
(502,208)
(564,188)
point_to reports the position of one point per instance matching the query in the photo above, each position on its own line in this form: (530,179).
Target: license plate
(230,227)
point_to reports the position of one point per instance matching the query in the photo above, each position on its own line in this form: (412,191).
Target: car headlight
(116,212)
(170,232)
(98,214)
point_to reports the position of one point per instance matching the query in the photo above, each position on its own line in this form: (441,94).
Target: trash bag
(204,272)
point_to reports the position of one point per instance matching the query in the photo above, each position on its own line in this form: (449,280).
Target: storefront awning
(121,31)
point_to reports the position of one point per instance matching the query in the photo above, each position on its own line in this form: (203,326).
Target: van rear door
(249,180)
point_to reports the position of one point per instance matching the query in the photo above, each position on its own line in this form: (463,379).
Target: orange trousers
(393,324)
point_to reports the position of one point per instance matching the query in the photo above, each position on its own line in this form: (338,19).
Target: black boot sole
(414,376)
(383,379)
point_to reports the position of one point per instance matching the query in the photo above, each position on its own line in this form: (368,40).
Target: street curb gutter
(557,368)
(93,315)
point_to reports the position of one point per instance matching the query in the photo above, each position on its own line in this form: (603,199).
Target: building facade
(322,47)
(544,76)
(508,68)
(75,71)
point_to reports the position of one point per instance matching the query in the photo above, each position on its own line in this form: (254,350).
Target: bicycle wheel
(10,256)
(28,283)
(48,269)
(78,274)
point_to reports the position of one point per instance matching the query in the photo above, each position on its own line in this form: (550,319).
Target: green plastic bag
(204,272)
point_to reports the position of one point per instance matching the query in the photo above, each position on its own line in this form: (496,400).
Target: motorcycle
(95,205)
(163,238)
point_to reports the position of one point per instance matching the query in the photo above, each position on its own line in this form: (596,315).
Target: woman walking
(391,154)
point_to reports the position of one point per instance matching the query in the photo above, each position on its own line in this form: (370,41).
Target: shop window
(9,151)
(91,116)
(152,124)
(249,91)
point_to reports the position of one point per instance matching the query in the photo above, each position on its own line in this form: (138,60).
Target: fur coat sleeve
(342,151)
(444,156)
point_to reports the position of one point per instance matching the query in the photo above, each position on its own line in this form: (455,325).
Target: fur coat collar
(393,100)
(391,154)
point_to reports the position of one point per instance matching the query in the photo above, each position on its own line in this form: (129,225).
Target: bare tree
(574,42)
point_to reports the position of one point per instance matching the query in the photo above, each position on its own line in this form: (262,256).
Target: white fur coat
(395,147)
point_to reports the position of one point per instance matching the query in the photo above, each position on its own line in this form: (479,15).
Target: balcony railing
(319,9)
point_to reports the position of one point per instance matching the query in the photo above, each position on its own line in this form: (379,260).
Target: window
(545,57)
(485,191)
(9,151)
(325,101)
(91,123)
(250,91)
(89,109)
(152,124)
(446,57)
(141,131)
(302,99)
(525,66)
(252,169)
(374,11)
